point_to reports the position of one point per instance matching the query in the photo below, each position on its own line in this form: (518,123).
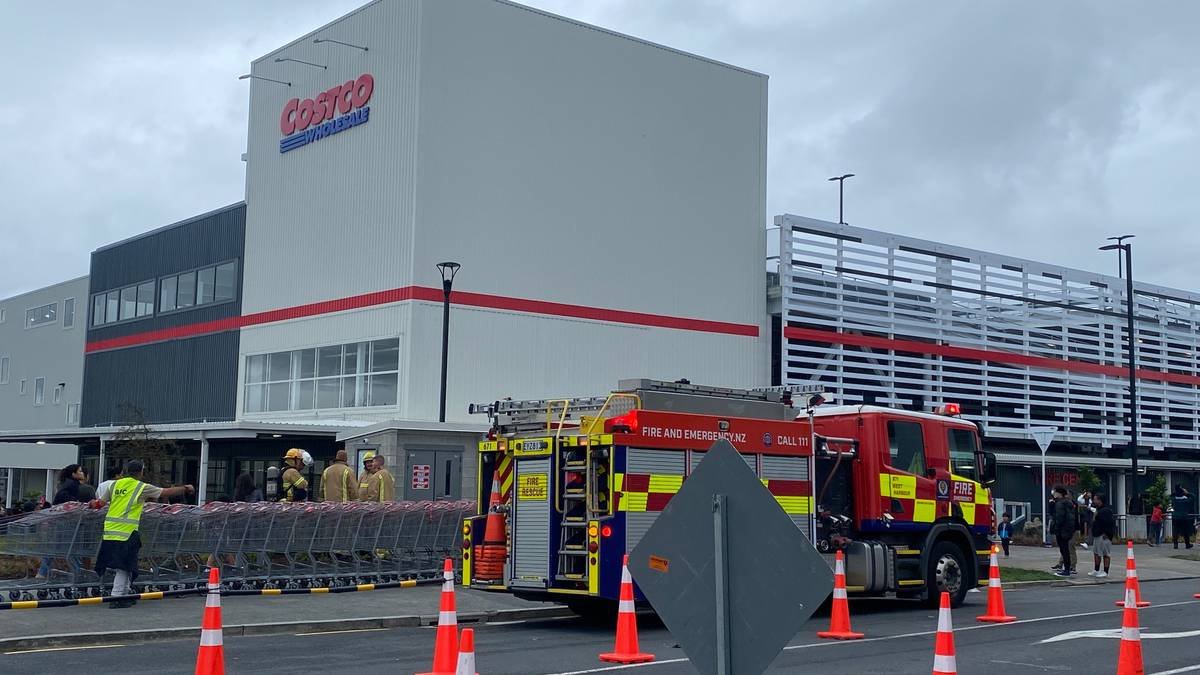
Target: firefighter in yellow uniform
(295,485)
(387,484)
(364,478)
(338,483)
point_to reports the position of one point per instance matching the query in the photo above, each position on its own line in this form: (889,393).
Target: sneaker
(1074,572)
(1101,575)
(1093,573)
(1083,544)
(1056,568)
(1061,573)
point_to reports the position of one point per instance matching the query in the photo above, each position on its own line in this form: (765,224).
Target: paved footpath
(1062,629)
(1153,562)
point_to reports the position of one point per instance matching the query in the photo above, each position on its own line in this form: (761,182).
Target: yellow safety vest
(124,509)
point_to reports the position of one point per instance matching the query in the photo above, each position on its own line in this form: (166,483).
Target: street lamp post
(448,270)
(841,181)
(1130,356)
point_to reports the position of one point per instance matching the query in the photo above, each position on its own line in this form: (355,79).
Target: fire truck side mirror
(987,468)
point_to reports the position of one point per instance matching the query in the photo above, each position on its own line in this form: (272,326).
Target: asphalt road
(899,641)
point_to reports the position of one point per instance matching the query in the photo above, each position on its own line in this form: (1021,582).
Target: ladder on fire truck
(581,479)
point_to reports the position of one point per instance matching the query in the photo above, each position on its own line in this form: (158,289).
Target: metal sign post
(721,570)
(1044,436)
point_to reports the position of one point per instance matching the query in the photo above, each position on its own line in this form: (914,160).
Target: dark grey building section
(144,348)
(190,380)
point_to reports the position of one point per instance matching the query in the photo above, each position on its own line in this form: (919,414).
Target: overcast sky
(1033,128)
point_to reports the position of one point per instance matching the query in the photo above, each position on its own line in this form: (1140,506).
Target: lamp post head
(842,177)
(448,269)
(1112,247)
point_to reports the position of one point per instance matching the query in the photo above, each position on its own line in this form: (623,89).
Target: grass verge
(1016,574)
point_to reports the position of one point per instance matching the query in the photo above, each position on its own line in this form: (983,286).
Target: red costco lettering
(298,115)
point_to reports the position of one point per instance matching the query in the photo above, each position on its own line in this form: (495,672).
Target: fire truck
(579,481)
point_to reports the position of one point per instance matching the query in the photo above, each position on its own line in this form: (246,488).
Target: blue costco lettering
(300,139)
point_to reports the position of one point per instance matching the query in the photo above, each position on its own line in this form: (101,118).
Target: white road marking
(895,637)
(337,632)
(1031,665)
(1116,633)
(1185,669)
(521,621)
(62,649)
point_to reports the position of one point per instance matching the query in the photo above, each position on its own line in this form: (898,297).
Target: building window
(21,391)
(98,309)
(195,288)
(129,303)
(145,298)
(3,370)
(166,295)
(39,391)
(58,389)
(69,313)
(355,375)
(41,316)
(3,315)
(186,297)
(72,413)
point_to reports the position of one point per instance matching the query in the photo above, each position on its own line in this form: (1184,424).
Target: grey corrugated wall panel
(177,381)
(181,380)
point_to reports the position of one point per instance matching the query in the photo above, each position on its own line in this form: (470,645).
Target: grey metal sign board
(726,569)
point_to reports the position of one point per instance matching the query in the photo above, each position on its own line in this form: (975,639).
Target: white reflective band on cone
(994,582)
(626,607)
(625,578)
(839,567)
(944,625)
(447,619)
(839,594)
(212,600)
(1131,633)
(1129,553)
(995,562)
(447,586)
(944,664)
(448,576)
(1130,574)
(210,637)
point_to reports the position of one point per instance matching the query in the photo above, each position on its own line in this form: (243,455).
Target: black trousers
(1064,548)
(1182,528)
(1005,543)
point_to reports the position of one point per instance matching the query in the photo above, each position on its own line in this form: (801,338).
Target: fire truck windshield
(962,444)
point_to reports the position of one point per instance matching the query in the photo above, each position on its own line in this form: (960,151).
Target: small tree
(1088,480)
(1156,494)
(136,440)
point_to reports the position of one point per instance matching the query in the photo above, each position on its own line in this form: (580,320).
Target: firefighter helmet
(294,453)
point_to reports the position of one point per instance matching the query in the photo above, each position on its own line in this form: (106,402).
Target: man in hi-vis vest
(126,497)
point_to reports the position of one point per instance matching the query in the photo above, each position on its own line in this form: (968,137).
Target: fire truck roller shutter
(698,456)
(788,480)
(651,478)
(531,523)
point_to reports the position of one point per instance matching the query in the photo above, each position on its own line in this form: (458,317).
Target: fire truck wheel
(947,572)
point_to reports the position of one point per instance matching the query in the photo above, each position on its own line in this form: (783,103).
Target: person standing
(338,483)
(72,487)
(1104,530)
(119,547)
(1183,516)
(1005,532)
(1065,525)
(294,486)
(1084,506)
(387,484)
(1156,526)
(364,478)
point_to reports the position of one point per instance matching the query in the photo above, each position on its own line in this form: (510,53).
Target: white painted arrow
(1115,633)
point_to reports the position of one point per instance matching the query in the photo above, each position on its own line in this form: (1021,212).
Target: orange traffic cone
(466,653)
(626,649)
(210,660)
(995,609)
(490,555)
(445,648)
(1129,662)
(839,617)
(943,647)
(1131,579)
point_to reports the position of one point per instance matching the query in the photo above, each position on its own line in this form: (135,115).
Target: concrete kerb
(253,629)
(1089,581)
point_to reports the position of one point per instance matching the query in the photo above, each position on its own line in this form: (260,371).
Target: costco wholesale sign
(327,113)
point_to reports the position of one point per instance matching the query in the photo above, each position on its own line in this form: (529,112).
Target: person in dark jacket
(1064,527)
(1005,532)
(1104,530)
(1183,516)
(72,487)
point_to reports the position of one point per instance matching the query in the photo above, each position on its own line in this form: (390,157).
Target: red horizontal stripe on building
(976,354)
(408,293)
